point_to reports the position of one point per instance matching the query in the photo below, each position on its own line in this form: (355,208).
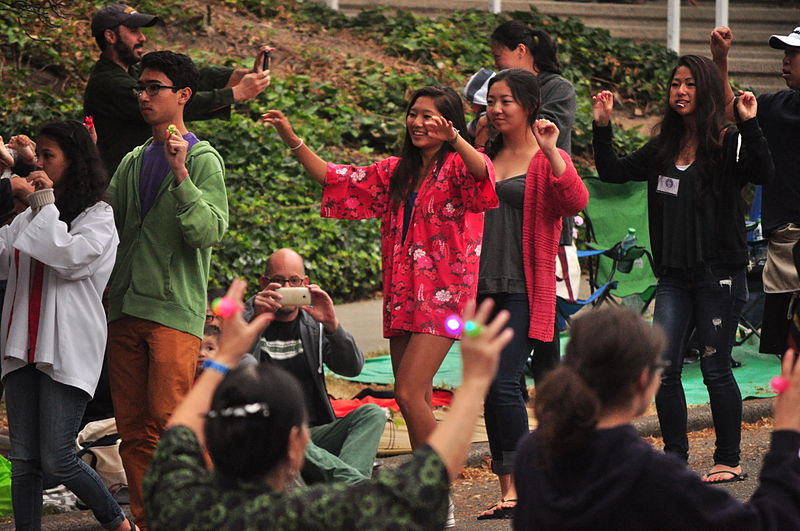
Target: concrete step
(753,63)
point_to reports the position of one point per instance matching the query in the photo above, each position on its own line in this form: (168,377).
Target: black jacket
(723,215)
(779,116)
(620,482)
(110,101)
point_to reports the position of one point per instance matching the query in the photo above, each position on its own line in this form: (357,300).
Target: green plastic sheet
(753,376)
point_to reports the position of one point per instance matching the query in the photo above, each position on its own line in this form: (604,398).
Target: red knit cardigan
(547,199)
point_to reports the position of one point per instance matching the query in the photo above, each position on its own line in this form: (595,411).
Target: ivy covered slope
(343,83)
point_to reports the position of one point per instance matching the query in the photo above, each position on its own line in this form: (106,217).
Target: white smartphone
(295,296)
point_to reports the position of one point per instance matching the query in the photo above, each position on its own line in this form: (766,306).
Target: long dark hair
(249,447)
(407,172)
(525,89)
(85,180)
(607,351)
(541,46)
(708,118)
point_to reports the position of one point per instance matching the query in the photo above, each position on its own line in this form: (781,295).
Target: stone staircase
(752,62)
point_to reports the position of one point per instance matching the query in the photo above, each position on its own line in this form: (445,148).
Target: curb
(699,418)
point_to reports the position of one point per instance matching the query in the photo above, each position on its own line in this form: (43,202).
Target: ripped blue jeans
(703,299)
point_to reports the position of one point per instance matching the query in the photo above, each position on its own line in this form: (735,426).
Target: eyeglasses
(292,281)
(152,89)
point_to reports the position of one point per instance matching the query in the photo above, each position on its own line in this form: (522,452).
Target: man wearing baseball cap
(109,97)
(779,116)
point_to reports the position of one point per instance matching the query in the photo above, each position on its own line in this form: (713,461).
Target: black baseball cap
(114,15)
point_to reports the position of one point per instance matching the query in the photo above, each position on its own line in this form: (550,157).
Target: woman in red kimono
(431,201)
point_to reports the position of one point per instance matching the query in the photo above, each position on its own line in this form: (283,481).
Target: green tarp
(753,376)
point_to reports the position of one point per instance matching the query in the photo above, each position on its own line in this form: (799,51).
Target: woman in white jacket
(57,257)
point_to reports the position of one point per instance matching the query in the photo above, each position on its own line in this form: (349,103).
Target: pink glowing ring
(225,307)
(779,384)
(454,325)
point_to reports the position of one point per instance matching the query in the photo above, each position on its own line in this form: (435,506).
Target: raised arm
(754,163)
(720,43)
(5,157)
(443,130)
(602,107)
(313,163)
(611,168)
(199,191)
(236,339)
(546,133)
(480,355)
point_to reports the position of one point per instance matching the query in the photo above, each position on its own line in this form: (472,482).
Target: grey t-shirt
(501,268)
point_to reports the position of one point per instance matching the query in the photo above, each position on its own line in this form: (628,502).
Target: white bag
(98,445)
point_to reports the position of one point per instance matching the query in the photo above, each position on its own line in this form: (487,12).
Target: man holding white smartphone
(302,335)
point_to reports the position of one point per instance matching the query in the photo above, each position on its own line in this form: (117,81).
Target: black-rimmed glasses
(151,89)
(292,281)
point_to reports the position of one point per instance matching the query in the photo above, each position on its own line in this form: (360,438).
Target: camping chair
(753,310)
(615,275)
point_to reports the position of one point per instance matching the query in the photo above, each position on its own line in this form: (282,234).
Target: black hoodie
(621,483)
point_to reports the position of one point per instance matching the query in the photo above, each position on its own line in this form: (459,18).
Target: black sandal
(500,512)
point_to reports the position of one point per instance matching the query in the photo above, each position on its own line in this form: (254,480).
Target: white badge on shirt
(668,185)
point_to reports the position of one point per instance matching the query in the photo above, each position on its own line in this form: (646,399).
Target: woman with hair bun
(585,467)
(515,45)
(253,421)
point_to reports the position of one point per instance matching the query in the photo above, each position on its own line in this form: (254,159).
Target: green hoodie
(163,259)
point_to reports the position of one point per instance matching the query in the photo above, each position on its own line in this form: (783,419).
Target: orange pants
(151,368)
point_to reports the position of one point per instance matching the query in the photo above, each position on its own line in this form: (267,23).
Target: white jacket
(77,265)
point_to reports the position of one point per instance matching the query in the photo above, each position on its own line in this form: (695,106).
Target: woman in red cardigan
(537,185)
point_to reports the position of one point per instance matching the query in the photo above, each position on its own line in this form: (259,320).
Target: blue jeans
(504,409)
(43,419)
(704,299)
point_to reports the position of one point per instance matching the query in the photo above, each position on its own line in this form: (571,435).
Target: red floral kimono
(435,271)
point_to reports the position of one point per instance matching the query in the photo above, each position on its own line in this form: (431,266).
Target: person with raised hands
(779,116)
(695,168)
(430,201)
(253,422)
(585,467)
(537,185)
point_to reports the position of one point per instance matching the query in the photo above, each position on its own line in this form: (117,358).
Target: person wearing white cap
(475,93)
(779,116)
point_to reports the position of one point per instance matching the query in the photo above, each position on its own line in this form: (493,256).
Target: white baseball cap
(781,43)
(477,87)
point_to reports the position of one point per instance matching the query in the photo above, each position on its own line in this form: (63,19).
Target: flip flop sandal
(499,512)
(735,477)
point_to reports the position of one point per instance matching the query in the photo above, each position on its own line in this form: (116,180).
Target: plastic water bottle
(757,232)
(627,243)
